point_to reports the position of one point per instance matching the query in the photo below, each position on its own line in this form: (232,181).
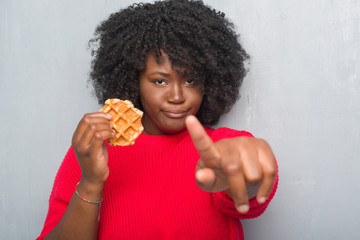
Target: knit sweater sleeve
(66,178)
(222,200)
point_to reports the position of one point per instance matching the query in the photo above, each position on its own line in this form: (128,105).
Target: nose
(175,94)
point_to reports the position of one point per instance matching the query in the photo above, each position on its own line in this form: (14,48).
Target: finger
(88,119)
(250,165)
(205,178)
(237,184)
(92,132)
(203,143)
(99,138)
(267,160)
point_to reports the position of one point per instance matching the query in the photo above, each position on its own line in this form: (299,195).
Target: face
(167,97)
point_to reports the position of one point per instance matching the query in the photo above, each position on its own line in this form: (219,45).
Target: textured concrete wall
(302,94)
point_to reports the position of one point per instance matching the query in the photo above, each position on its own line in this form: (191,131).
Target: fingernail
(262,199)
(109,115)
(243,208)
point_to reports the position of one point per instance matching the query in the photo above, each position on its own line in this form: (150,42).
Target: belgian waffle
(126,121)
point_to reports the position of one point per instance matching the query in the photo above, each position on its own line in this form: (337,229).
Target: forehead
(152,60)
(162,63)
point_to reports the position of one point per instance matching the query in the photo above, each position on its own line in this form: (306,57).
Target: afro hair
(194,36)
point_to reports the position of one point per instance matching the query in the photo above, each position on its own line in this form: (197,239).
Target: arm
(80,220)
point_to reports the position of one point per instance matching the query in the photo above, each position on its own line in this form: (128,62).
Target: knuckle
(244,140)
(73,139)
(240,196)
(271,172)
(231,168)
(81,149)
(262,143)
(98,136)
(92,127)
(226,144)
(86,118)
(216,157)
(254,177)
(225,141)
(205,148)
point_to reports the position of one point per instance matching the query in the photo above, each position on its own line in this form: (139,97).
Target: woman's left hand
(233,165)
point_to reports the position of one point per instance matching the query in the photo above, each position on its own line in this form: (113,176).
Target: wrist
(89,190)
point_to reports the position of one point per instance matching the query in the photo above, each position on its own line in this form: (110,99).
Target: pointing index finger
(203,143)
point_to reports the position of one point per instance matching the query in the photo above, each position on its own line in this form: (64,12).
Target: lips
(175,114)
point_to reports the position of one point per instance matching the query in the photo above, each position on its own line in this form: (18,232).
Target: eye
(159,82)
(189,82)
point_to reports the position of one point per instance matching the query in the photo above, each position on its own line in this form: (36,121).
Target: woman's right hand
(89,145)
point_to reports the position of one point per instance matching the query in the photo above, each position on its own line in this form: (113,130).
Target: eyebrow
(159,73)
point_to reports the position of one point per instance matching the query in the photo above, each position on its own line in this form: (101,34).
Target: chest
(152,194)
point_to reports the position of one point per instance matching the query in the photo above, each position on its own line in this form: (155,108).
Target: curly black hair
(194,36)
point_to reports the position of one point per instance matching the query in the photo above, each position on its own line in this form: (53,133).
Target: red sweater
(151,193)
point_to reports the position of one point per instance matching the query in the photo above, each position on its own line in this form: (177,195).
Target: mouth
(177,114)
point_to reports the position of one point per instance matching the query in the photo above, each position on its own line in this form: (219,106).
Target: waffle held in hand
(126,121)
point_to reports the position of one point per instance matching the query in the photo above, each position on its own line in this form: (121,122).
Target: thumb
(205,178)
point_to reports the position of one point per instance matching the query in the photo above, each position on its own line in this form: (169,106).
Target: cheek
(199,101)
(195,100)
(151,98)
(196,97)
(144,93)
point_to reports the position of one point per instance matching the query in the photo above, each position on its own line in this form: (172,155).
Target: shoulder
(224,132)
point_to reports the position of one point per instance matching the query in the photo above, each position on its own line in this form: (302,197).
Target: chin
(172,126)
(172,131)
